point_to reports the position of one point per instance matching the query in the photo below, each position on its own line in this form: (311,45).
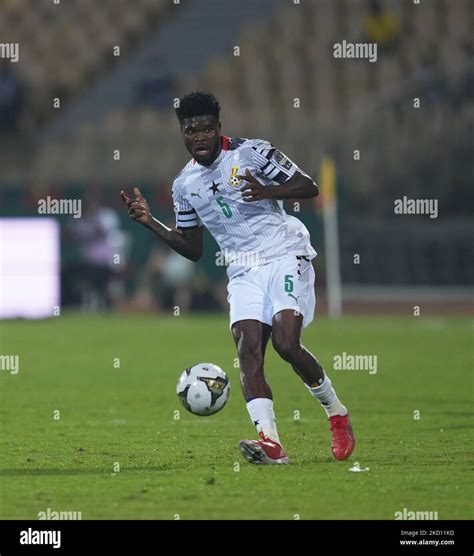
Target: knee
(286,348)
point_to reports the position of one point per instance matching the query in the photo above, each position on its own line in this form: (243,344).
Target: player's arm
(273,165)
(298,186)
(185,241)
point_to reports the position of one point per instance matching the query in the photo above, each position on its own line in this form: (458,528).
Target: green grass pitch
(191,467)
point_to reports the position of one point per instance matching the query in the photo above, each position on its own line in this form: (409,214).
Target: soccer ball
(203,389)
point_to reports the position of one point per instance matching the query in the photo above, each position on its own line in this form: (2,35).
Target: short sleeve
(272,162)
(186,216)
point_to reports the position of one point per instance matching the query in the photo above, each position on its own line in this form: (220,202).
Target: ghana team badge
(234,181)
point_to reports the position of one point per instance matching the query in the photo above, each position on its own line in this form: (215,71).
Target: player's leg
(250,318)
(251,338)
(286,333)
(287,325)
(294,302)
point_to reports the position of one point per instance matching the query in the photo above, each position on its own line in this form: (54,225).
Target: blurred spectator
(96,278)
(11,98)
(166,281)
(381,26)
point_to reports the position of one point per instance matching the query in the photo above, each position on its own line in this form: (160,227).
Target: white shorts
(263,291)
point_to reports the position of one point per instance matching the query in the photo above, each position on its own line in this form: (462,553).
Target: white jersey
(249,234)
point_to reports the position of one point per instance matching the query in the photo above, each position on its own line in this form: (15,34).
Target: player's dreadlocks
(198,104)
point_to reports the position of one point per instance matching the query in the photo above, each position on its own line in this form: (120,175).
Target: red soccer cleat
(264,451)
(343,440)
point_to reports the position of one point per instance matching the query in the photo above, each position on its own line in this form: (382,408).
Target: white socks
(263,417)
(328,398)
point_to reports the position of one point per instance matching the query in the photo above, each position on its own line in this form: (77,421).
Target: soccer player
(235,188)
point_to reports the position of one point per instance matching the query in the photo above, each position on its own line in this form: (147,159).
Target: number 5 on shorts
(289,283)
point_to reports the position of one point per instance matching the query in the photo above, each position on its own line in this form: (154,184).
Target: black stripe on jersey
(269,154)
(183,212)
(235,142)
(187,220)
(271,171)
(260,151)
(268,168)
(192,219)
(188,227)
(262,146)
(281,177)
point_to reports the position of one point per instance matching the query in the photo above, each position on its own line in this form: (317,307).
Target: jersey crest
(234,181)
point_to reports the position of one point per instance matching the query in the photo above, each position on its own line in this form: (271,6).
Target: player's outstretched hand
(253,190)
(138,208)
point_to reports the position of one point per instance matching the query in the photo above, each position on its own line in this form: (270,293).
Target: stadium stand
(345,104)
(268,75)
(65,47)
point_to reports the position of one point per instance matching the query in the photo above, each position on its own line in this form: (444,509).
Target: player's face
(201,136)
